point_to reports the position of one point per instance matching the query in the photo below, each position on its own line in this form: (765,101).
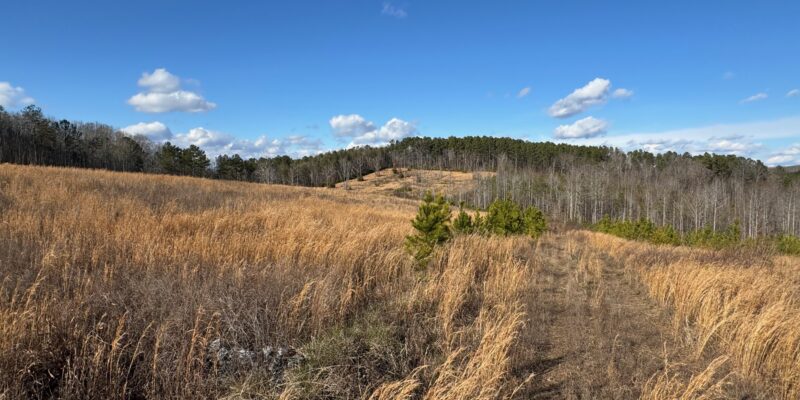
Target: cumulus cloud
(622,93)
(594,92)
(786,157)
(581,129)
(524,92)
(155,131)
(350,125)
(793,93)
(160,81)
(393,11)
(659,145)
(363,132)
(13,97)
(216,143)
(739,146)
(751,139)
(755,97)
(163,94)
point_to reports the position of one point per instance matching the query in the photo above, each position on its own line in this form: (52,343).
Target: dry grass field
(116,286)
(413,183)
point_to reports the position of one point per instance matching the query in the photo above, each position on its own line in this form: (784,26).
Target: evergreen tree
(432,225)
(505,218)
(169,158)
(463,222)
(194,161)
(479,224)
(535,223)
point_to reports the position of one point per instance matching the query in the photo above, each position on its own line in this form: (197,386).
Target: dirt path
(593,331)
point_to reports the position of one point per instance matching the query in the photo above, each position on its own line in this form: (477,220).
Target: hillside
(129,285)
(412,183)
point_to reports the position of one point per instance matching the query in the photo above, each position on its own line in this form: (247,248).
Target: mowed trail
(594,333)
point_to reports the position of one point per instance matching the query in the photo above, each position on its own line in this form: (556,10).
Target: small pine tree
(535,223)
(432,225)
(463,222)
(505,218)
(479,224)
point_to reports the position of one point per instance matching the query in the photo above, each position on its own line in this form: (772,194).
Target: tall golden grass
(745,306)
(113,285)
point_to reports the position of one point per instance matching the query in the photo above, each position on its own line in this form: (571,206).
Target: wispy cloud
(393,11)
(793,93)
(524,92)
(622,93)
(755,97)
(728,75)
(786,157)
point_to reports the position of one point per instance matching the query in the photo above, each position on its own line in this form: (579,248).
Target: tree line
(580,184)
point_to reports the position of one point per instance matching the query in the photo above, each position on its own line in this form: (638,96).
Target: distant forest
(579,184)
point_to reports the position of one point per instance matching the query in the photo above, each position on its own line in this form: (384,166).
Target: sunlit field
(115,285)
(119,285)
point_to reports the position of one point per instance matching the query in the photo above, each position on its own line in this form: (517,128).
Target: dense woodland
(579,184)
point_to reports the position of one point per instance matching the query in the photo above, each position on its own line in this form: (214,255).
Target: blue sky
(265,78)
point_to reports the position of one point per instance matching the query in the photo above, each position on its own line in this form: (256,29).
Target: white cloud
(581,129)
(163,94)
(395,129)
(594,92)
(739,146)
(216,143)
(155,131)
(786,157)
(205,138)
(13,97)
(793,93)
(755,97)
(741,138)
(160,81)
(736,145)
(524,92)
(393,11)
(155,102)
(363,132)
(350,125)
(622,93)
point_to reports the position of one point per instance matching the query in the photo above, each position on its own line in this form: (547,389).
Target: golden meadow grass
(746,307)
(113,285)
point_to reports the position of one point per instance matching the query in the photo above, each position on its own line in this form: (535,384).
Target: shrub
(505,218)
(535,223)
(432,225)
(479,224)
(788,244)
(463,222)
(666,235)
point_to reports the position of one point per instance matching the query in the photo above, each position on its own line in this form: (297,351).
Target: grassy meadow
(117,285)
